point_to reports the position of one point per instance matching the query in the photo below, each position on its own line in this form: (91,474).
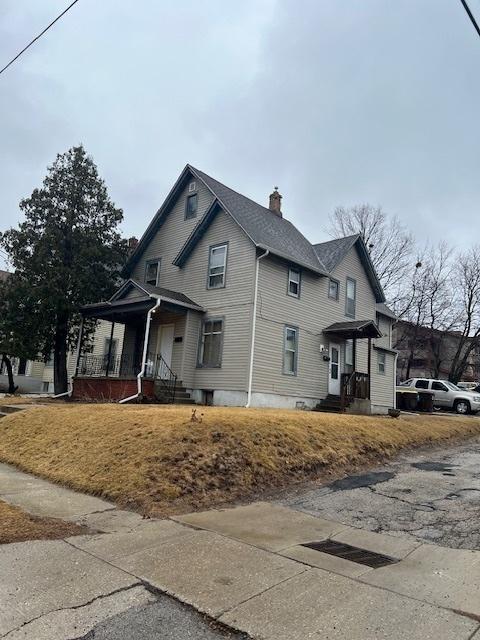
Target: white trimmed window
(381,361)
(211,343)
(152,272)
(350,297)
(294,278)
(217,266)
(290,351)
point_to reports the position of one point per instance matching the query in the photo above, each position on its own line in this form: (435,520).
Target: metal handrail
(166,377)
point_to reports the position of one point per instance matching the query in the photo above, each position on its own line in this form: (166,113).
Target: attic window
(192,187)
(191,206)
(152,272)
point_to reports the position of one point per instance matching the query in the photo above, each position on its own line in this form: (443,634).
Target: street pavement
(246,571)
(432,495)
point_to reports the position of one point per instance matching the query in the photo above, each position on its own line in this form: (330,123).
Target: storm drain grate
(354,554)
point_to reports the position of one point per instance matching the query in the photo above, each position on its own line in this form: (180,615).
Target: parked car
(447,394)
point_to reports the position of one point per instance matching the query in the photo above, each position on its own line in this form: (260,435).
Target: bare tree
(427,309)
(467,283)
(390,244)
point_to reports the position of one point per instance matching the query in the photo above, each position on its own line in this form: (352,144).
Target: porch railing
(354,385)
(124,366)
(167,379)
(127,366)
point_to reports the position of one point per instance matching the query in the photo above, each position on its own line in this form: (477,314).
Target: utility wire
(471,16)
(38,37)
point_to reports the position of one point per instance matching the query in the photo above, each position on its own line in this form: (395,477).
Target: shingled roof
(332,253)
(266,229)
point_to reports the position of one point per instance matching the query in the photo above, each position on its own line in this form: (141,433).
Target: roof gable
(333,252)
(265,229)
(149,291)
(159,218)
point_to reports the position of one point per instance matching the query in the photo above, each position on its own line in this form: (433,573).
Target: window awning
(354,329)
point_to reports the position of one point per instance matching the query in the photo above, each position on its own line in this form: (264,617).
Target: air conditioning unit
(192,187)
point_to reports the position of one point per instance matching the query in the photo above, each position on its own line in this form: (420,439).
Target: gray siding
(169,240)
(311,313)
(383,385)
(385,326)
(233,303)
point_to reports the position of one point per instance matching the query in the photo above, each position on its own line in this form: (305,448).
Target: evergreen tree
(67,252)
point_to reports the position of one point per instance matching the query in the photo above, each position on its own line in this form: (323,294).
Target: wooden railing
(353,385)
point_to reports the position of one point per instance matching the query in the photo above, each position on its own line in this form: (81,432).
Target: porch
(349,386)
(147,364)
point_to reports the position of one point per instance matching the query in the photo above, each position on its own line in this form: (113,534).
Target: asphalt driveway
(432,495)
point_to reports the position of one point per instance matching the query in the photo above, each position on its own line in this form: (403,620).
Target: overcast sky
(335,101)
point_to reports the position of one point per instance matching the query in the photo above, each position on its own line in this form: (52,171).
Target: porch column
(354,354)
(109,350)
(369,366)
(79,346)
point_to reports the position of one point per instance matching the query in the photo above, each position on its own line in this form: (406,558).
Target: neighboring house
(428,353)
(226,301)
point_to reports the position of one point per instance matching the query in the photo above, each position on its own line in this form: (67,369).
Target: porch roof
(354,329)
(118,306)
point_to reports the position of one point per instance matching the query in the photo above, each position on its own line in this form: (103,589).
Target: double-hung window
(381,361)
(211,343)
(191,206)
(294,282)
(152,272)
(333,289)
(350,297)
(290,351)
(217,266)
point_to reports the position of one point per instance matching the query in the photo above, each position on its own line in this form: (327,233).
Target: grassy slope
(18,526)
(155,459)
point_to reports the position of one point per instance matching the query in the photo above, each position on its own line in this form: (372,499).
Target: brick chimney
(132,244)
(275,203)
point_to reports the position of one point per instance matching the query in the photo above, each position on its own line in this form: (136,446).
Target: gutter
(144,355)
(395,381)
(254,326)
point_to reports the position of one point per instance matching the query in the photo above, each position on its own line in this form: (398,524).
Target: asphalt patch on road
(433,466)
(360,481)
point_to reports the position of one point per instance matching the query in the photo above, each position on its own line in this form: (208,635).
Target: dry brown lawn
(154,459)
(18,526)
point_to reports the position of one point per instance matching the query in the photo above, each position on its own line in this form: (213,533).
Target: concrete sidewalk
(245,567)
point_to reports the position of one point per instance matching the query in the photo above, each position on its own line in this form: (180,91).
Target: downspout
(254,326)
(395,381)
(77,360)
(144,355)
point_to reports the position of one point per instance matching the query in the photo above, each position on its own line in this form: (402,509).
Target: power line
(471,16)
(39,36)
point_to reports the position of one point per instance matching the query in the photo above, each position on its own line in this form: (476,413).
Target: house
(225,302)
(428,353)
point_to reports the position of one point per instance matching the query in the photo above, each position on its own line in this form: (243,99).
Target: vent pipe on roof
(275,202)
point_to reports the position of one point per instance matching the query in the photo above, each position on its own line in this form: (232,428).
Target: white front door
(165,342)
(334,370)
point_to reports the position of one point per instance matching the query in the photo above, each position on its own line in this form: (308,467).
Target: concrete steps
(330,404)
(181,394)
